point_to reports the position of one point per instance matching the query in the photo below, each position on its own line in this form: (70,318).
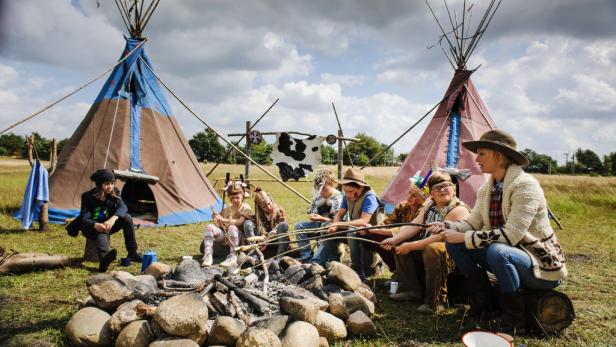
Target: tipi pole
(243,135)
(340,155)
(224,138)
(418,121)
(340,135)
(248,152)
(73,92)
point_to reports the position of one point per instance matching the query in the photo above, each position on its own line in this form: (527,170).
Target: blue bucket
(149,257)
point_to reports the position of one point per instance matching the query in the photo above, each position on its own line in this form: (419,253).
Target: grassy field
(34,307)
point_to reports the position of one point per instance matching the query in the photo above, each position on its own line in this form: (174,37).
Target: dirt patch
(579,257)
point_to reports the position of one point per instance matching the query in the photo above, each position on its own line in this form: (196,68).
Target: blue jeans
(305,251)
(512,267)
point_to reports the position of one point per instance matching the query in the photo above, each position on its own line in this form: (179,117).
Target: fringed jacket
(527,225)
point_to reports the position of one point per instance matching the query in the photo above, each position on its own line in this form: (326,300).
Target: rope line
(73,92)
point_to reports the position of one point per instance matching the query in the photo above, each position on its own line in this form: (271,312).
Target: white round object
(484,339)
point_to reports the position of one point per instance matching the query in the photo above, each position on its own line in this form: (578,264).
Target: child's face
(326,191)
(236,199)
(266,205)
(107,187)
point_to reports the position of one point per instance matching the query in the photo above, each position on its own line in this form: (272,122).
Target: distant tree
(588,161)
(206,147)
(42,147)
(261,153)
(12,145)
(60,145)
(363,150)
(329,155)
(540,163)
(402,157)
(609,164)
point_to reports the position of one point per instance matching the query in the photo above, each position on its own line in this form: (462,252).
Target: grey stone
(301,293)
(295,273)
(225,331)
(172,341)
(122,275)
(336,306)
(355,302)
(360,324)
(123,315)
(141,287)
(329,288)
(189,271)
(183,315)
(365,291)
(343,275)
(287,261)
(89,327)
(135,334)
(300,334)
(316,269)
(299,309)
(313,284)
(258,337)
(222,305)
(108,292)
(158,270)
(276,323)
(330,326)
(211,271)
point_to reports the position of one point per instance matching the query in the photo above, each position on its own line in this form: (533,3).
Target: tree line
(207,148)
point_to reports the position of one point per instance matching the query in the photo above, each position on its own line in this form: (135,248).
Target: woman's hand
(388,244)
(452,236)
(315,217)
(405,248)
(436,228)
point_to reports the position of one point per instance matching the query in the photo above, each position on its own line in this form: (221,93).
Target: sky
(547,69)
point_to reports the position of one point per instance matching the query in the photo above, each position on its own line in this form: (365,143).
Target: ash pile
(290,304)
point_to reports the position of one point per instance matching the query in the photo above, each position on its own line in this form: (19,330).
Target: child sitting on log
(103,213)
(225,226)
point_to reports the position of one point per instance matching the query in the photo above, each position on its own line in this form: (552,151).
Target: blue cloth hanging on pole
(36,194)
(454,140)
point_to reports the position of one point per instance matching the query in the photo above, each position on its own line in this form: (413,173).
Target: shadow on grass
(9,334)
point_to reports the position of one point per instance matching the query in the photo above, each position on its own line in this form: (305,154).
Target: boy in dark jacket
(103,213)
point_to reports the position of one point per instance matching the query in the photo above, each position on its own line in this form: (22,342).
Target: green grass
(34,307)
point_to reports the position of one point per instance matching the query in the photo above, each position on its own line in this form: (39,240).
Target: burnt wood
(258,305)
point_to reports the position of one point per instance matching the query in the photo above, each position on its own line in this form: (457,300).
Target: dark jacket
(94,210)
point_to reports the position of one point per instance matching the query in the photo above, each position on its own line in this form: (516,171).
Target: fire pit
(274,303)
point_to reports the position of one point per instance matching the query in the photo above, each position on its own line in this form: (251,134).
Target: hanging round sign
(255,137)
(331,139)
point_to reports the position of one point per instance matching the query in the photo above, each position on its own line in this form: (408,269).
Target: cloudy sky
(547,75)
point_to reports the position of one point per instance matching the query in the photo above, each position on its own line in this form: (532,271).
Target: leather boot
(483,300)
(512,321)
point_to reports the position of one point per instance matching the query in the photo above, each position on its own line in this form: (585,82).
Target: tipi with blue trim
(130,127)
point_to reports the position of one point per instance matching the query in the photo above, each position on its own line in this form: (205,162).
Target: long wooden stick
(224,138)
(241,138)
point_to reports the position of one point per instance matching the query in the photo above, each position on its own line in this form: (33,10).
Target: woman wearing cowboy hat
(362,204)
(508,233)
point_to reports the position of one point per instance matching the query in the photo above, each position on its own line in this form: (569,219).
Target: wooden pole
(340,154)
(248,152)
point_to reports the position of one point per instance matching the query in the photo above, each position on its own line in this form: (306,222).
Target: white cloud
(345,80)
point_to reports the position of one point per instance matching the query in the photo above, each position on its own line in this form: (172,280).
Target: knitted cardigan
(526,224)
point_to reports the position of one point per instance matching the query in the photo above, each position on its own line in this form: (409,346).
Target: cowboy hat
(352,175)
(501,141)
